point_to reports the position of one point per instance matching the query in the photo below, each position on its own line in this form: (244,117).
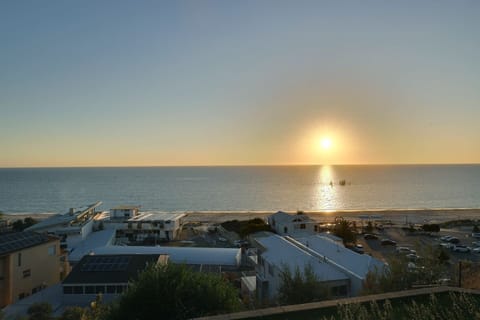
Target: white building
(356,266)
(72,227)
(139,226)
(124,212)
(276,253)
(225,258)
(290,224)
(337,267)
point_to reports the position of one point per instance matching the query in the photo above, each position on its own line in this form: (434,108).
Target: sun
(326,143)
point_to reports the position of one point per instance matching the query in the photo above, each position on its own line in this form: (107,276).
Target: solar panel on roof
(102,264)
(20,240)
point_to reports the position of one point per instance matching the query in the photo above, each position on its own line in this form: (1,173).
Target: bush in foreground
(244,228)
(175,292)
(300,287)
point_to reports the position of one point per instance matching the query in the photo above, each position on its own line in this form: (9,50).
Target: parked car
(370,236)
(476,243)
(445,238)
(460,248)
(446,245)
(412,257)
(388,242)
(454,240)
(403,249)
(444,281)
(241,243)
(476,250)
(358,248)
(476,234)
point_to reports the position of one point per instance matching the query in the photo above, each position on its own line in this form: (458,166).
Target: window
(270,269)
(19,256)
(67,290)
(110,289)
(78,289)
(302,226)
(52,250)
(26,273)
(89,289)
(99,289)
(339,291)
(119,289)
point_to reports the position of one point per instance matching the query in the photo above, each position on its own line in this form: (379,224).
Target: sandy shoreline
(397,216)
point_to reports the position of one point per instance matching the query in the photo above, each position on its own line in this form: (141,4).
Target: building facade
(147,227)
(108,275)
(289,224)
(72,227)
(339,269)
(29,262)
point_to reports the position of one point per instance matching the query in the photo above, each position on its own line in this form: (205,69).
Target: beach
(400,216)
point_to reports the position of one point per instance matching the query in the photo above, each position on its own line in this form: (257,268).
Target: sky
(147,83)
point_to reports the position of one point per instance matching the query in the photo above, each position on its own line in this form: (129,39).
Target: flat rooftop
(157,216)
(63,219)
(125,207)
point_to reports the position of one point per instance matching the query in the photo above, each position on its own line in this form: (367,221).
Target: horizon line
(243,165)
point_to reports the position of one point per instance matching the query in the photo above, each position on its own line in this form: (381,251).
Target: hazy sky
(111,83)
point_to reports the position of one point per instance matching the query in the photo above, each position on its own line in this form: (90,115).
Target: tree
(244,228)
(98,310)
(300,287)
(40,311)
(175,292)
(369,227)
(402,273)
(28,222)
(73,313)
(431,227)
(345,229)
(19,225)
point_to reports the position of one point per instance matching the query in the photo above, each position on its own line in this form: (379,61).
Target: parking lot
(419,241)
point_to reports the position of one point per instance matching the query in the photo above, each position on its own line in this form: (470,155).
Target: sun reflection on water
(326,195)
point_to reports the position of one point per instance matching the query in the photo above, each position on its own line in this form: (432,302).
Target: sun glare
(326,143)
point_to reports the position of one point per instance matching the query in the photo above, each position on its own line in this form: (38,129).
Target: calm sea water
(242,188)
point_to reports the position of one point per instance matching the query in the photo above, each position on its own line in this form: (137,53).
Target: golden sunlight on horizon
(324,146)
(329,144)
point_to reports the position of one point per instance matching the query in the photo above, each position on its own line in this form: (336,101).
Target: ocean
(242,188)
